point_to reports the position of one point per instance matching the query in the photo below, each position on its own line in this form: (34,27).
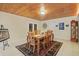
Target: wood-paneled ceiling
(31,10)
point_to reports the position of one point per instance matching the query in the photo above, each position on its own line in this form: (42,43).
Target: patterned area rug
(50,51)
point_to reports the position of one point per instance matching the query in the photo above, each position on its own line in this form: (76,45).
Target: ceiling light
(42,10)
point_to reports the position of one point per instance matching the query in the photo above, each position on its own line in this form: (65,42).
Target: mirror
(44,25)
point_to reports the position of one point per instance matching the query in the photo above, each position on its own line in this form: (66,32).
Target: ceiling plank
(31,10)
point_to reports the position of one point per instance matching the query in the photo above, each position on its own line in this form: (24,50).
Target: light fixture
(42,10)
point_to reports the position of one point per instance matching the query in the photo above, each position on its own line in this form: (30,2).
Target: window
(30,27)
(35,27)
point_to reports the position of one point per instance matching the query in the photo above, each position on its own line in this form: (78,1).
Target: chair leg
(33,49)
(44,45)
(29,46)
(3,45)
(7,43)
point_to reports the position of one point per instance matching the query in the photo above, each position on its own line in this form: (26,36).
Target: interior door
(74,31)
(78,31)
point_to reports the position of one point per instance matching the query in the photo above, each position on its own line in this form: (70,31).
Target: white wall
(18,27)
(60,34)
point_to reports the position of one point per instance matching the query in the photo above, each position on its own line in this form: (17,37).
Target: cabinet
(74,31)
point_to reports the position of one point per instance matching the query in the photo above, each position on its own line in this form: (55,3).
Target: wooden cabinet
(74,31)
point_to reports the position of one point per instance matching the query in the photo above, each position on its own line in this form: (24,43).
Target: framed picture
(61,26)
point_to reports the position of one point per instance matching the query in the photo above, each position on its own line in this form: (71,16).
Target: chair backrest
(4,34)
(30,38)
(37,32)
(46,37)
(49,35)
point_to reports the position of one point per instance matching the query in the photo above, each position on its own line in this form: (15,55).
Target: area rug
(50,51)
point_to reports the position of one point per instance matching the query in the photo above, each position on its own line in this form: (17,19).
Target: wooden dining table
(38,38)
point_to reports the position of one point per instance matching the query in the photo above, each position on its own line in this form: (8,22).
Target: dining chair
(46,40)
(42,42)
(51,34)
(31,41)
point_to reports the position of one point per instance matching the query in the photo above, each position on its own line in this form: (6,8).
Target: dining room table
(38,38)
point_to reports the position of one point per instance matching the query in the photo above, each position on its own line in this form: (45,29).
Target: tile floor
(68,49)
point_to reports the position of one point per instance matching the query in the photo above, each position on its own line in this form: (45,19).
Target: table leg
(38,46)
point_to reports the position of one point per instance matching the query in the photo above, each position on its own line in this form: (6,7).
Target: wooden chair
(31,41)
(49,38)
(43,42)
(50,33)
(46,39)
(52,36)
